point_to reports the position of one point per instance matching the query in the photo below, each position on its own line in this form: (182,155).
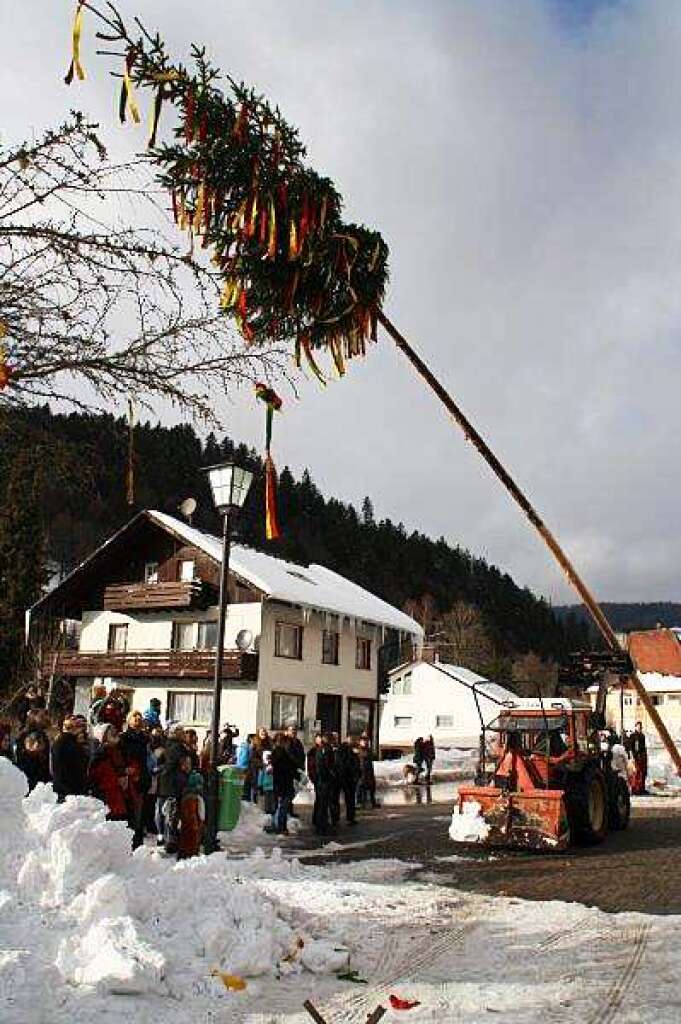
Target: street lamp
(229,484)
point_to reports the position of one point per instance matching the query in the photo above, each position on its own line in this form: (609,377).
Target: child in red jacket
(106,773)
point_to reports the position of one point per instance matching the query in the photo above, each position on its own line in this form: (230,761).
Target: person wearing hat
(192,817)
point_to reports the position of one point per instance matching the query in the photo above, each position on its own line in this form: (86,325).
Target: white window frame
(449,724)
(116,628)
(282,722)
(402,721)
(180,625)
(184,573)
(200,627)
(193,720)
(278,629)
(151,572)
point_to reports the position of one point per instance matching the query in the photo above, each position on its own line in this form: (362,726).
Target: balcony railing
(119,597)
(236,665)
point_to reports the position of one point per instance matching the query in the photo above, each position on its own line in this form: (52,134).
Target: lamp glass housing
(230,485)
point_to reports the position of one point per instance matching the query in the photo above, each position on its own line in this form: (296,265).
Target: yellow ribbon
(130,95)
(76,66)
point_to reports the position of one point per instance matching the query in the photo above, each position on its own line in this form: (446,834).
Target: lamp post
(229,484)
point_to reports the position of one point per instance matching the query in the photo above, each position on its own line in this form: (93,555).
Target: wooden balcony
(151,664)
(121,597)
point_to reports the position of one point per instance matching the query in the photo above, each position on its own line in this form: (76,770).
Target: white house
(302,643)
(441,700)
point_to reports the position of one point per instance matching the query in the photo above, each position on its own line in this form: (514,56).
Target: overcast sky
(523,160)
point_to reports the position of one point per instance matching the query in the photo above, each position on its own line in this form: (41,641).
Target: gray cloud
(527,175)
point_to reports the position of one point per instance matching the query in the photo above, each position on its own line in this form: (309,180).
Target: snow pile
(80,913)
(468,824)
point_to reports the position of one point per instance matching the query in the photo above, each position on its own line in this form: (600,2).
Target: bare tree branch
(88,297)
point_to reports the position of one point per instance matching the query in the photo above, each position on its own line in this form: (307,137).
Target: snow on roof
(312,586)
(458,673)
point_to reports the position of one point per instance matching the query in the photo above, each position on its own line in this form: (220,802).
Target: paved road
(639,869)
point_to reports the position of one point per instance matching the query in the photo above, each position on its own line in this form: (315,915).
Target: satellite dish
(244,639)
(188,508)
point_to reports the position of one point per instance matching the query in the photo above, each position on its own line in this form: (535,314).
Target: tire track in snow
(621,985)
(405,956)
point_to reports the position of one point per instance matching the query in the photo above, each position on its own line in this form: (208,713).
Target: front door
(329,711)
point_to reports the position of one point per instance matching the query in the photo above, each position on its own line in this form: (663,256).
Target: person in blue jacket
(243,761)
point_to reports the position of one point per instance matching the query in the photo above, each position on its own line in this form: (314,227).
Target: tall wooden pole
(472,435)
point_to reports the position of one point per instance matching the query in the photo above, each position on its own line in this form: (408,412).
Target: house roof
(656,650)
(312,586)
(469,679)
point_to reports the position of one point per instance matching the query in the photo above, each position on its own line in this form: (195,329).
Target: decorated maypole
(292,269)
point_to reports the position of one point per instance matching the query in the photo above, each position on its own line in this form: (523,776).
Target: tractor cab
(541,780)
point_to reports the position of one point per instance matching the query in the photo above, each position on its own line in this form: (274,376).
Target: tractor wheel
(587,801)
(620,806)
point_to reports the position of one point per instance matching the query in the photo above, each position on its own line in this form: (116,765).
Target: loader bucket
(534,819)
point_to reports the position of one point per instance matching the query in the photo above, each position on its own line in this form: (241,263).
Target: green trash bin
(230,790)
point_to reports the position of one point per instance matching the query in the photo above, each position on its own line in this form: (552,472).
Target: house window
(208,636)
(329,647)
(363,654)
(673,698)
(190,707)
(186,570)
(401,721)
(151,572)
(628,700)
(360,717)
(288,641)
(183,636)
(118,638)
(444,721)
(656,699)
(402,685)
(287,709)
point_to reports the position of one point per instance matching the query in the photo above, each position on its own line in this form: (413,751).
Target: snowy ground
(88,932)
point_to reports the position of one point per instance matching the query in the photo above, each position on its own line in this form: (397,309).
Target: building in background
(437,699)
(656,655)
(303,644)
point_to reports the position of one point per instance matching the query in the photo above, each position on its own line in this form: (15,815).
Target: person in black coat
(348,772)
(34,759)
(284,772)
(297,753)
(134,747)
(171,782)
(639,752)
(322,771)
(70,758)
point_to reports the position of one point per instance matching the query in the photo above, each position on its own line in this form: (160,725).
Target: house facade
(302,643)
(440,700)
(656,655)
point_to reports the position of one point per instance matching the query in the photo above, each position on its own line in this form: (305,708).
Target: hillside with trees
(629,616)
(63,478)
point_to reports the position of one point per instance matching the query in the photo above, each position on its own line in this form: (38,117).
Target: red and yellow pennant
(273,403)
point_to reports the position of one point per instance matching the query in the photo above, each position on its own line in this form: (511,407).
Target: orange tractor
(543,781)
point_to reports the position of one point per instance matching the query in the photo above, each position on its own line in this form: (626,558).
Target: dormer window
(151,572)
(187,570)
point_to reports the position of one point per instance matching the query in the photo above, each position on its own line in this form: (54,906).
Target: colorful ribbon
(75,67)
(273,403)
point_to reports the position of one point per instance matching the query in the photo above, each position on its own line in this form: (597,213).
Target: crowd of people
(153,777)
